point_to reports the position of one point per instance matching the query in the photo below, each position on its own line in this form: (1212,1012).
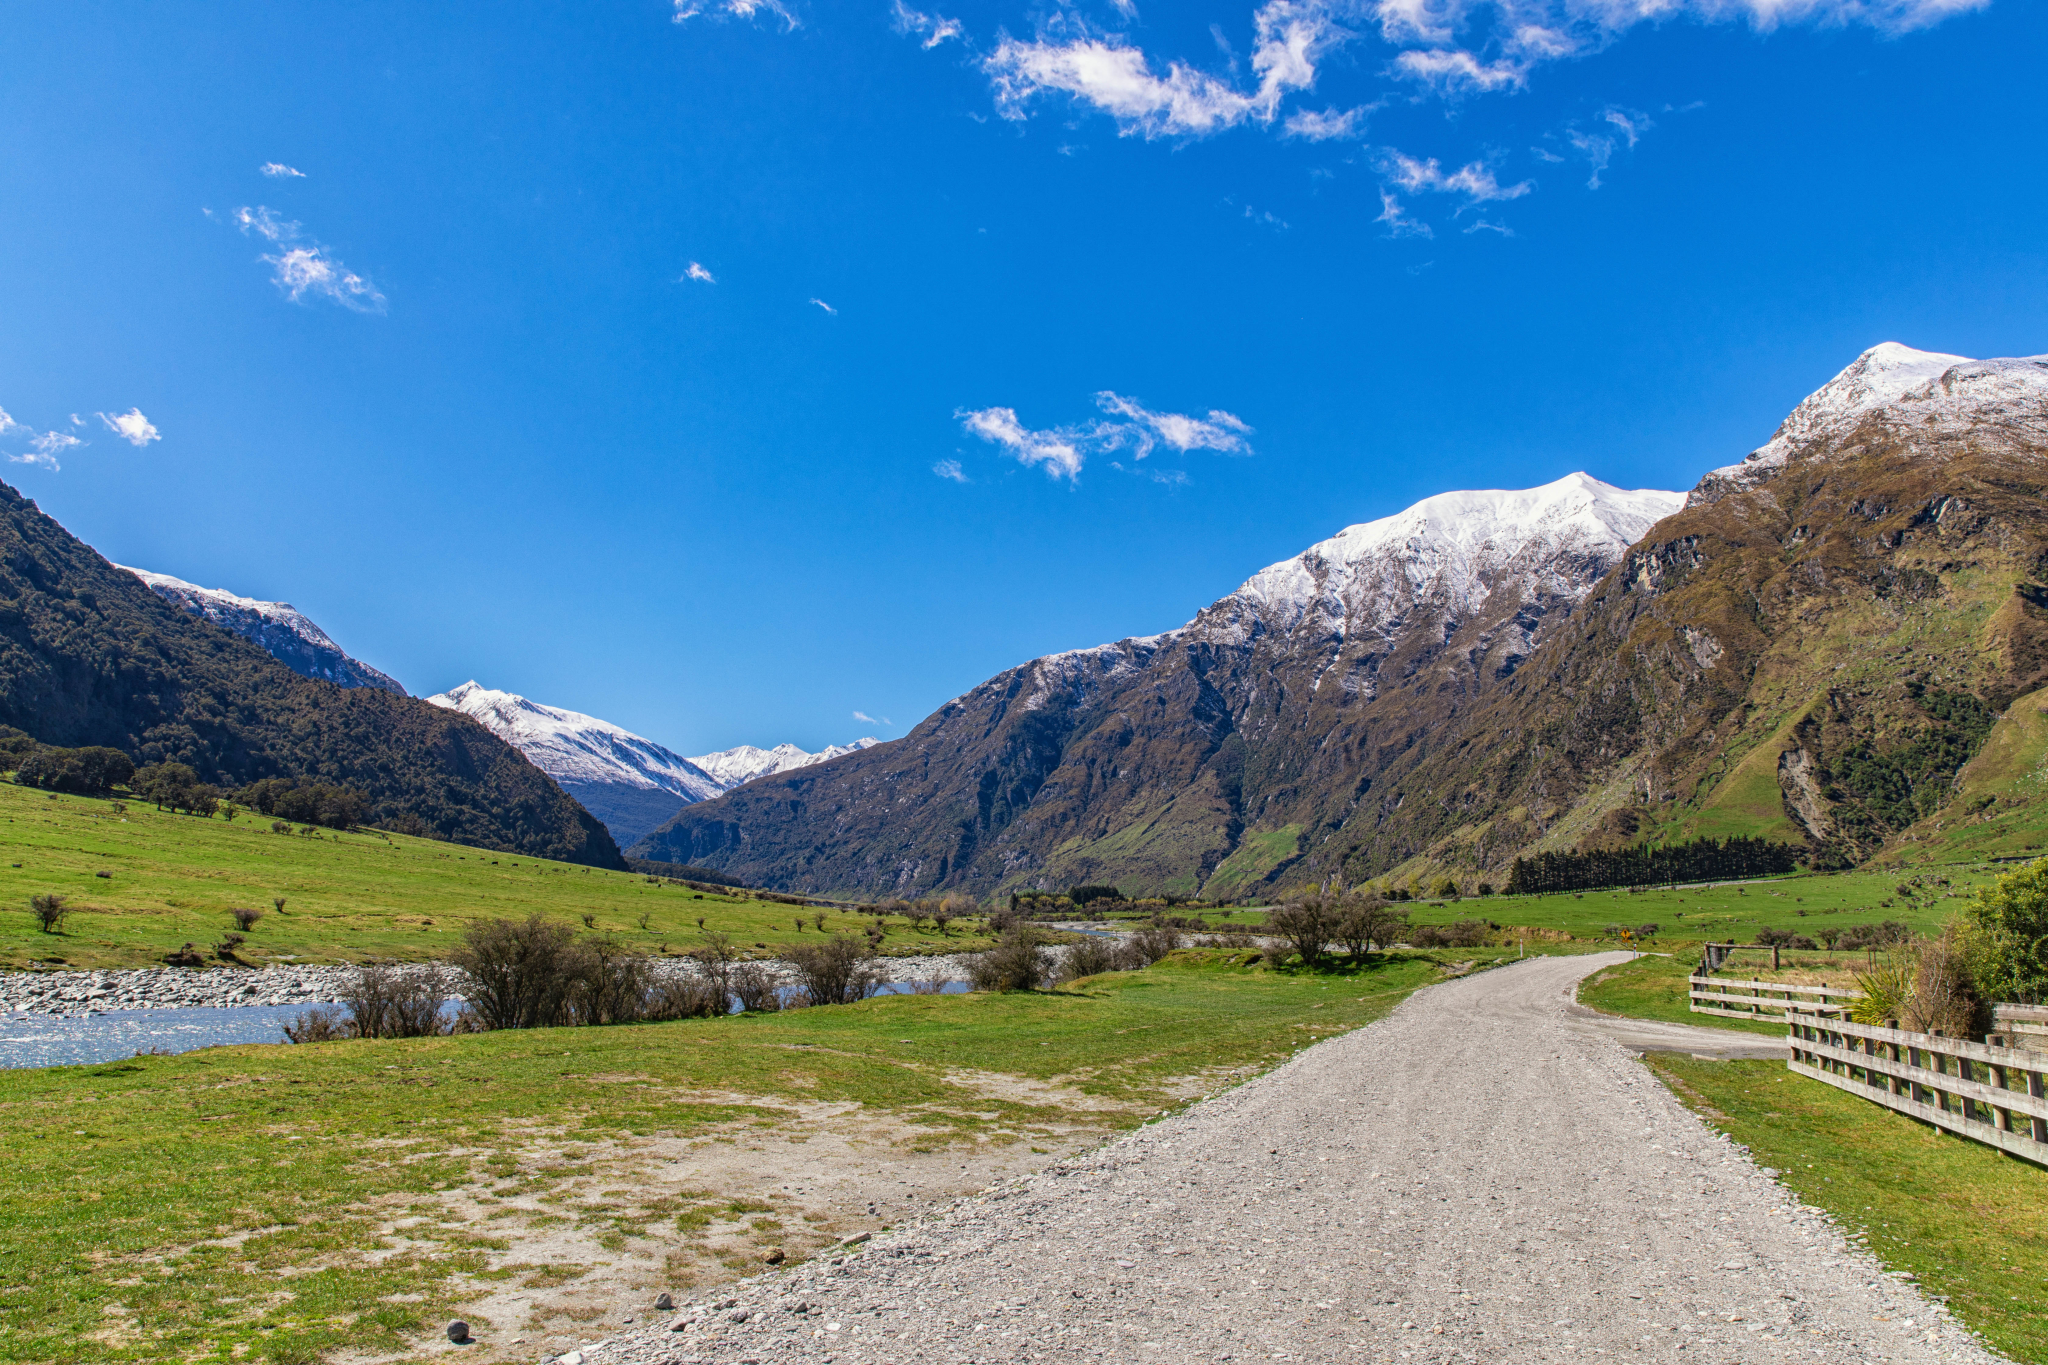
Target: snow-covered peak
(572,747)
(288,634)
(733,767)
(1449,547)
(1887,376)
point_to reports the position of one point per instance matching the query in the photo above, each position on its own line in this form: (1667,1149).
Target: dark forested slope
(89,655)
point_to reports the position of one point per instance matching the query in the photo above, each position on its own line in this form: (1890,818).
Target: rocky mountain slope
(89,655)
(626,780)
(1818,648)
(283,631)
(1206,756)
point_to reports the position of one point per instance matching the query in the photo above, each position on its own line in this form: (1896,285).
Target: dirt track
(1478,1177)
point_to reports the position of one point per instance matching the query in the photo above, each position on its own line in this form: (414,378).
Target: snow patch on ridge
(572,747)
(287,633)
(742,764)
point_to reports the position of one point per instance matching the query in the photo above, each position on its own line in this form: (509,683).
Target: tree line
(1699,860)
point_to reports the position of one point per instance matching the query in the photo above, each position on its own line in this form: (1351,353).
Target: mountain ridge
(282,630)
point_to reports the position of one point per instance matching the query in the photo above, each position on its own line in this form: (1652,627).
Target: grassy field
(1969,1222)
(278,1203)
(1806,904)
(350,897)
(1654,987)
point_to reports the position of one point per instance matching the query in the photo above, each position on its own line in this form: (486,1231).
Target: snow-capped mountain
(1904,389)
(626,780)
(279,627)
(732,767)
(1150,758)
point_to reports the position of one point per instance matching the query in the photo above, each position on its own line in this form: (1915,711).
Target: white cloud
(687,10)
(866,719)
(44,449)
(131,426)
(933,28)
(1054,450)
(1399,224)
(76,420)
(698,273)
(950,469)
(277,170)
(1453,71)
(8,424)
(1063,451)
(826,306)
(1103,70)
(1219,431)
(1483,226)
(1328,124)
(304,267)
(1473,180)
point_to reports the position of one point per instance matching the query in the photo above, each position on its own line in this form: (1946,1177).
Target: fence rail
(1931,1078)
(1765,999)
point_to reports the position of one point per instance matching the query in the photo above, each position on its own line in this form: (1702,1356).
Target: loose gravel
(1474,1178)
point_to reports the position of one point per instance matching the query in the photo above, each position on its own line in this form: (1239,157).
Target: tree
(838,971)
(2010,923)
(519,972)
(167,784)
(1364,921)
(92,770)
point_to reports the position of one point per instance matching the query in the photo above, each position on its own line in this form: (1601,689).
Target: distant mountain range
(627,781)
(280,628)
(90,655)
(1816,644)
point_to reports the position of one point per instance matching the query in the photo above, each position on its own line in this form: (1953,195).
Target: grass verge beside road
(284,1203)
(1969,1222)
(1653,987)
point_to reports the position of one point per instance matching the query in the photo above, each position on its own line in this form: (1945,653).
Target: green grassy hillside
(349,897)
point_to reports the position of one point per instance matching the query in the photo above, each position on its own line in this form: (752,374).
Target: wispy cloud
(1106,71)
(950,469)
(1473,180)
(686,10)
(1614,129)
(826,306)
(1454,71)
(698,273)
(1328,124)
(277,170)
(303,266)
(865,719)
(933,28)
(1131,426)
(1397,221)
(8,424)
(131,426)
(44,448)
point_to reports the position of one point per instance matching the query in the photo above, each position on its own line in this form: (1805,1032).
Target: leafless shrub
(1944,996)
(1091,957)
(391,1002)
(1365,922)
(319,1025)
(1011,965)
(1150,944)
(225,949)
(519,972)
(187,956)
(1308,925)
(245,919)
(1466,933)
(675,997)
(49,912)
(838,971)
(753,988)
(608,984)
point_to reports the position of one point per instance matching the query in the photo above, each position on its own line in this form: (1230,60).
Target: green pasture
(236,1203)
(349,897)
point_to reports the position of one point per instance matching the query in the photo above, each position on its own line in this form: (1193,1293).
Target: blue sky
(1013,329)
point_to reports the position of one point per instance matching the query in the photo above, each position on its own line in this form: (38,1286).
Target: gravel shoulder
(1481,1176)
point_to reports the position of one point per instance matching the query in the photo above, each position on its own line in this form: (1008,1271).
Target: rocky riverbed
(68,993)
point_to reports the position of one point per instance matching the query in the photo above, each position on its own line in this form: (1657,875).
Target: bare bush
(1466,933)
(753,988)
(1307,924)
(1090,957)
(674,997)
(1366,921)
(391,1002)
(1012,965)
(319,1025)
(1944,998)
(49,912)
(1150,944)
(245,920)
(838,971)
(520,973)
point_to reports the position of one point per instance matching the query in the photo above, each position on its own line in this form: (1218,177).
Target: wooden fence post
(2038,1091)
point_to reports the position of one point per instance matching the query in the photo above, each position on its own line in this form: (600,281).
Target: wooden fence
(1986,1092)
(2025,1025)
(1766,999)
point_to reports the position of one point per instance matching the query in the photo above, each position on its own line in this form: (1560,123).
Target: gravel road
(1478,1177)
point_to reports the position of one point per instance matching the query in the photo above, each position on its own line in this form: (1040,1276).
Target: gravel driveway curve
(1469,1179)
